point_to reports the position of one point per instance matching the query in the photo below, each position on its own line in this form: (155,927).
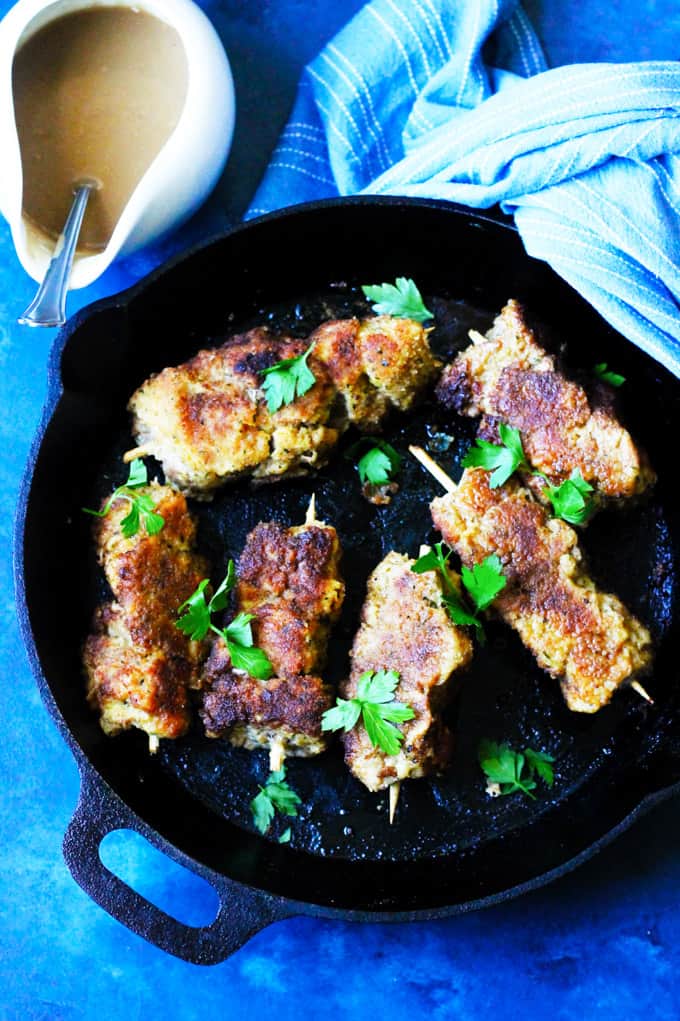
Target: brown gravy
(97,93)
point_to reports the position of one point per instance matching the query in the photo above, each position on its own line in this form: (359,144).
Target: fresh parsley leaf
(378,709)
(514,771)
(137,474)
(607,376)
(456,610)
(221,597)
(379,462)
(542,763)
(275,796)
(142,507)
(285,800)
(240,631)
(251,659)
(378,686)
(381,733)
(285,836)
(429,561)
(262,808)
(501,459)
(401,299)
(570,499)
(375,467)
(504,766)
(343,715)
(129,525)
(195,622)
(482,583)
(146,509)
(288,379)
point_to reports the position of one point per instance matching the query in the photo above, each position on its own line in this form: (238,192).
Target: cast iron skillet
(452,848)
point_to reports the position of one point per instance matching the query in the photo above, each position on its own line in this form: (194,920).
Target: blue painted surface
(602,942)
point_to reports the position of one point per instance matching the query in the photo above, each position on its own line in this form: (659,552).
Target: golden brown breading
(507,377)
(375,364)
(138,664)
(404,628)
(289,579)
(256,714)
(207,420)
(584,637)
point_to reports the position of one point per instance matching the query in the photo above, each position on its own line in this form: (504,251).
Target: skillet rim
(88,771)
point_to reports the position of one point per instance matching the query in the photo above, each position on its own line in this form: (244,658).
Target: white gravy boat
(180,177)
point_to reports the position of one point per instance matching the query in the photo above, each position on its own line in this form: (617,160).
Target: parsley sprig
(195,622)
(502,460)
(482,584)
(607,376)
(379,463)
(142,507)
(275,796)
(377,707)
(288,379)
(511,771)
(570,500)
(401,299)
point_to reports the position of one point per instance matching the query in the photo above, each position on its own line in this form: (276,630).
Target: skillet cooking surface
(196,791)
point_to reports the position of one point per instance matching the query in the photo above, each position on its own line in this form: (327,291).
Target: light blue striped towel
(451,99)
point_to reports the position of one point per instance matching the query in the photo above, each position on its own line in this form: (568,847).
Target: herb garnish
(570,500)
(607,376)
(401,299)
(195,622)
(482,584)
(275,796)
(509,771)
(142,507)
(288,379)
(504,459)
(376,705)
(380,462)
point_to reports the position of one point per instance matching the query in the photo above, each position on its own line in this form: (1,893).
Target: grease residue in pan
(503,696)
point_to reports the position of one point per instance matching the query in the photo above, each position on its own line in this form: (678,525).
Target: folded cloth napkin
(452,99)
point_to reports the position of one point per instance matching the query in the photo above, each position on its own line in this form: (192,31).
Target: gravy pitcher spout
(143,104)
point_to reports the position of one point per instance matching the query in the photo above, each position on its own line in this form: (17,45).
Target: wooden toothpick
(130,455)
(433,468)
(636,686)
(394,798)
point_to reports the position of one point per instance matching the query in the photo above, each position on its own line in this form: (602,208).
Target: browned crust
(403,628)
(232,697)
(207,420)
(586,638)
(508,377)
(289,579)
(138,664)
(131,686)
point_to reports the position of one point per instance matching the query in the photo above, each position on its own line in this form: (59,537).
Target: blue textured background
(602,942)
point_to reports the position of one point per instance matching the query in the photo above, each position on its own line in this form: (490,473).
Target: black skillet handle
(242,912)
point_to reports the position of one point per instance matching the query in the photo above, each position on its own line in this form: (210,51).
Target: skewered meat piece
(289,578)
(138,664)
(507,377)
(207,420)
(584,637)
(404,628)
